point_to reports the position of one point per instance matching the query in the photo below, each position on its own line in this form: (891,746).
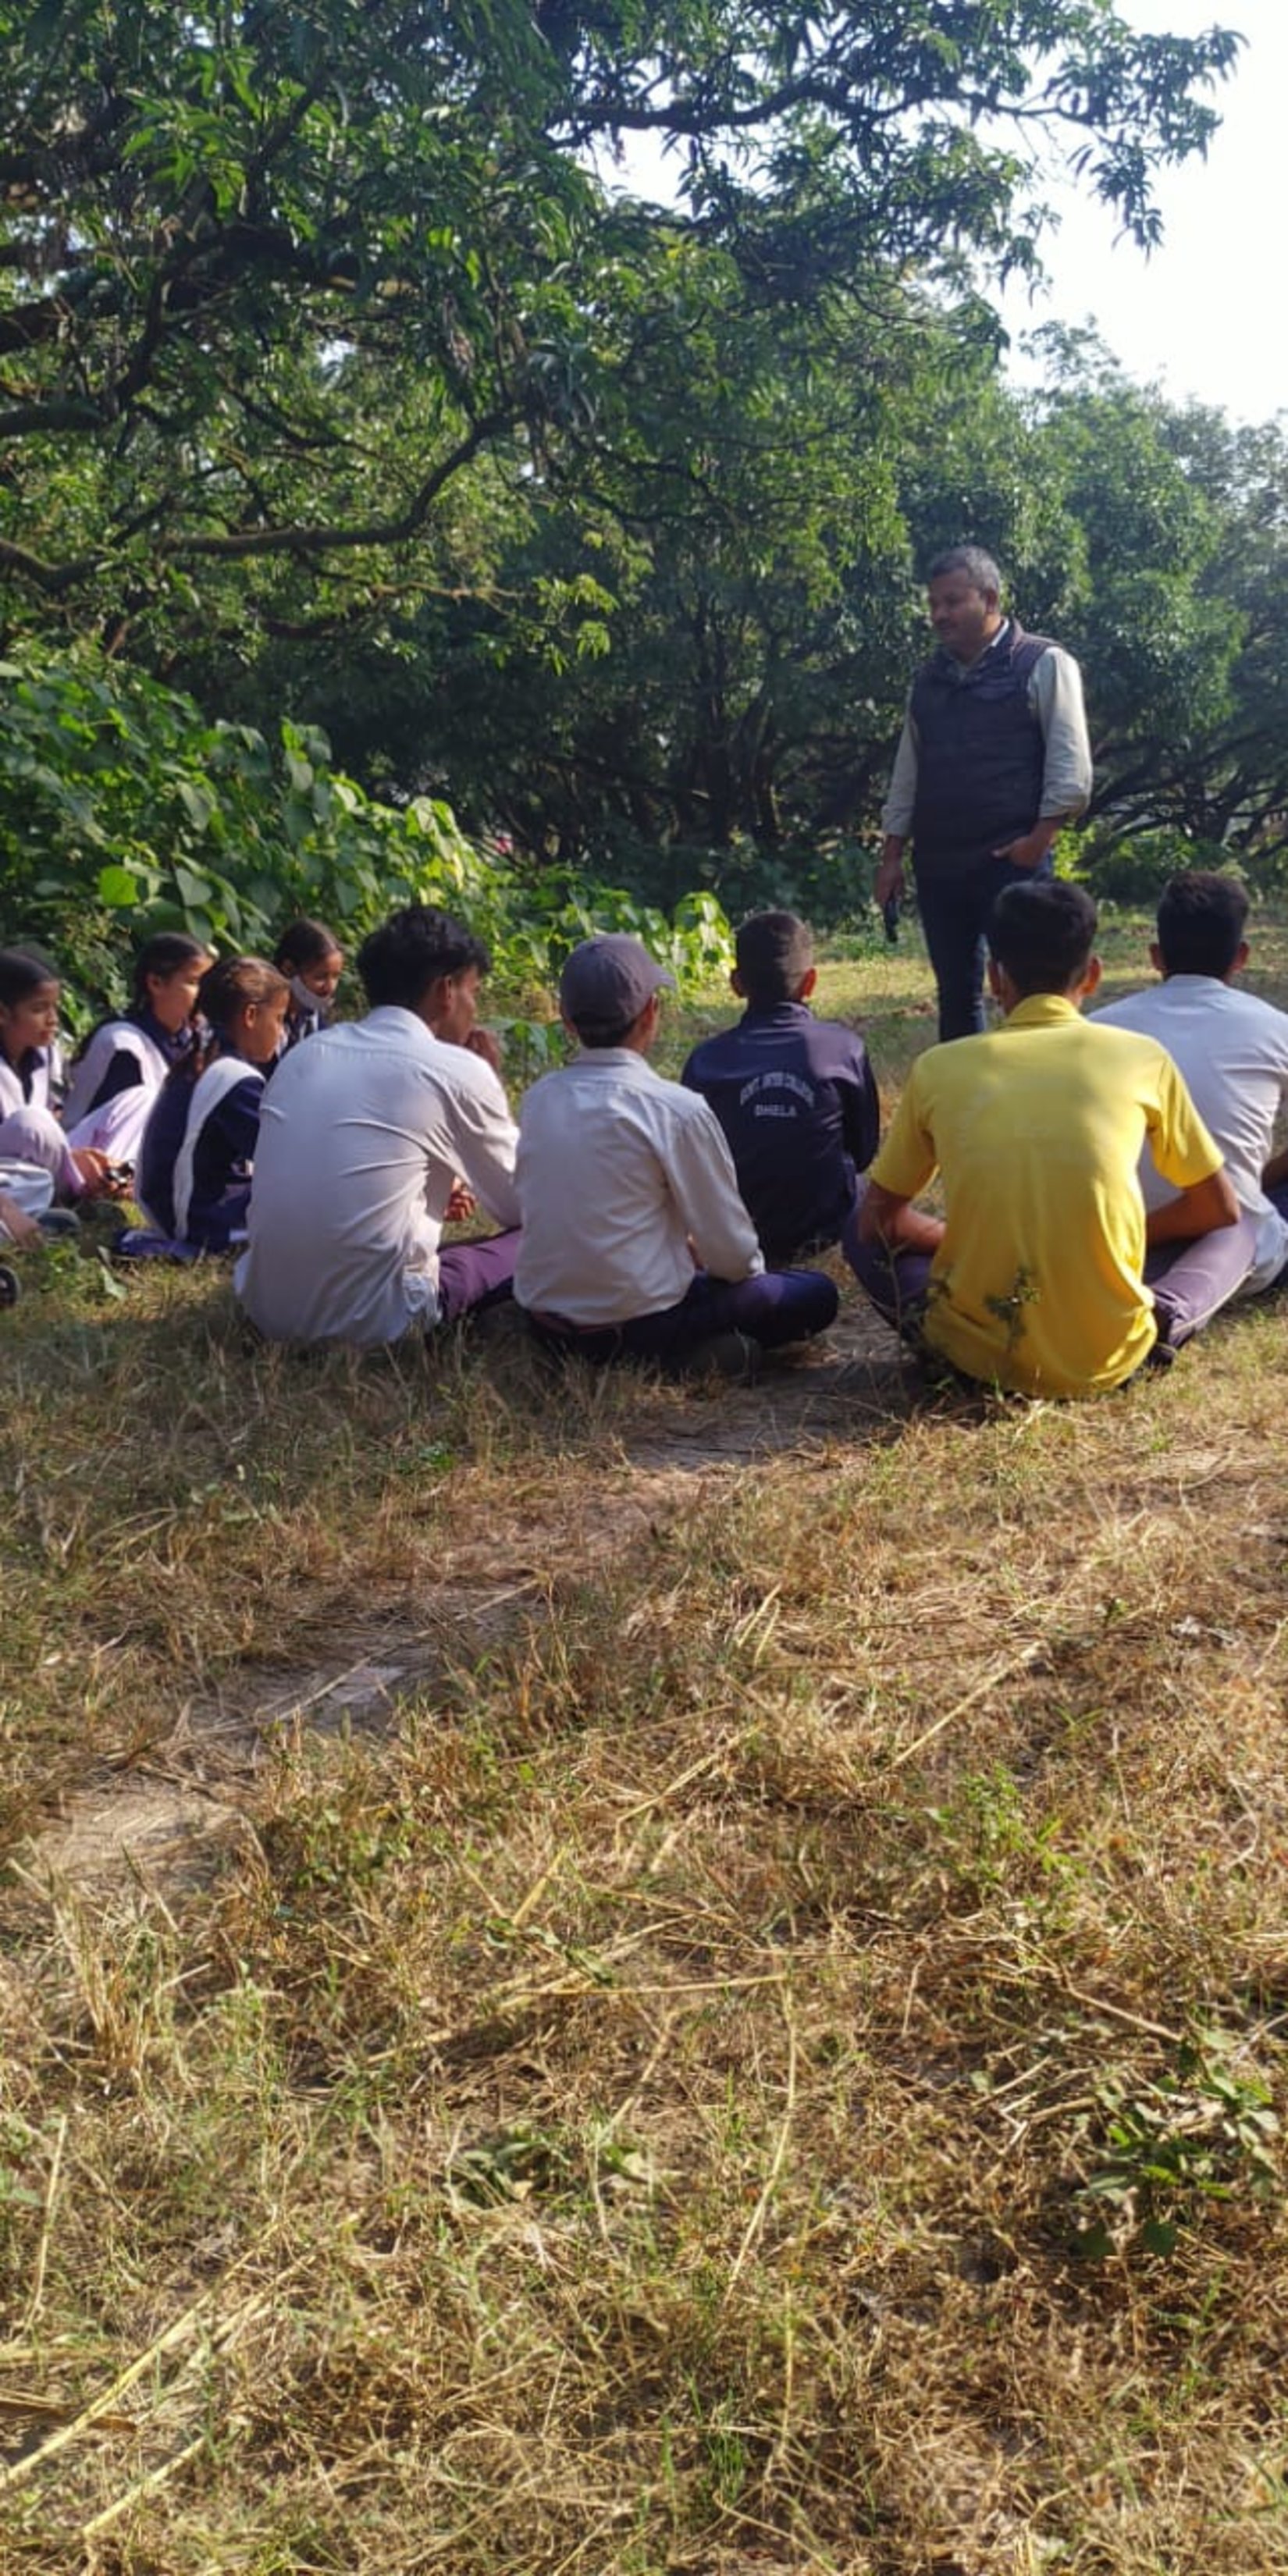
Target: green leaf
(194,888)
(198,803)
(109,1284)
(116,886)
(1094,2243)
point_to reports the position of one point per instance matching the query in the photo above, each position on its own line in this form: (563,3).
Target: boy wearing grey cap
(635,1241)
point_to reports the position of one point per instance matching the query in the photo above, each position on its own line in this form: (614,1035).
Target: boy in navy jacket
(795,1095)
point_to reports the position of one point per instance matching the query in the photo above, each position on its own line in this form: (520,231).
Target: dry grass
(639,2112)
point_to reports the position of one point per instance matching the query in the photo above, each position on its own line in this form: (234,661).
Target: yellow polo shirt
(1037,1129)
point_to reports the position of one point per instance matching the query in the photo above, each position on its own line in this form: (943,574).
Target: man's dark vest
(980,754)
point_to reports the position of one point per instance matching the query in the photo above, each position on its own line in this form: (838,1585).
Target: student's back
(197,1154)
(1037,1128)
(618,1171)
(196,1158)
(798,1105)
(362,1133)
(1230,1047)
(794,1094)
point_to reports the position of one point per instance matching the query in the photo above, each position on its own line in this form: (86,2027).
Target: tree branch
(238,544)
(53,579)
(63,414)
(304,541)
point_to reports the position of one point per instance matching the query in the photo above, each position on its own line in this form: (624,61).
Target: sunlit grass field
(761,2050)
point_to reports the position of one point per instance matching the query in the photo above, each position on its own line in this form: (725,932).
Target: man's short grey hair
(980,570)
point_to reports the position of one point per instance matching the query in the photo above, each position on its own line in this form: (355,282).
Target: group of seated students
(1107,1183)
(163,1096)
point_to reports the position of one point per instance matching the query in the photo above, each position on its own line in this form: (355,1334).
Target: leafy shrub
(1137,869)
(827,879)
(122,811)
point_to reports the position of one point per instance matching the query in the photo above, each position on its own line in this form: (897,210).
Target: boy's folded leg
(779,1307)
(474,1275)
(1191,1281)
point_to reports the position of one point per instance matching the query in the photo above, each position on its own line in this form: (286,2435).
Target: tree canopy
(272,279)
(349,375)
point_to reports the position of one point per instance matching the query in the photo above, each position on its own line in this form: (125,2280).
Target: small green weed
(1205,2133)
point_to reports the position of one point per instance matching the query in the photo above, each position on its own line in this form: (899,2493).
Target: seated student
(1230,1048)
(117,1073)
(1034,1278)
(795,1095)
(312,960)
(635,1241)
(365,1135)
(30,1080)
(197,1158)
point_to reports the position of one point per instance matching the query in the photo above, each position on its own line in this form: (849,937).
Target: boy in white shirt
(365,1136)
(1230,1047)
(635,1241)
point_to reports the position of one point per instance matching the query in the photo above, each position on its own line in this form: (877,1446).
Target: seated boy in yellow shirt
(1035,1279)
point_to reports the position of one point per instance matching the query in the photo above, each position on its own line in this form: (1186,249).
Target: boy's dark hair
(774,950)
(163,954)
(1042,934)
(305,943)
(411,950)
(22,973)
(1201,919)
(604,1033)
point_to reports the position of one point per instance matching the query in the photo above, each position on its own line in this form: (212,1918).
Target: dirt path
(187,1805)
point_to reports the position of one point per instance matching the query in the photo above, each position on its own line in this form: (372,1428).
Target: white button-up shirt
(361,1135)
(617,1170)
(1231,1050)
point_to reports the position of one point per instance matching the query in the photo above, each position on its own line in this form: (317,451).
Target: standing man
(993,759)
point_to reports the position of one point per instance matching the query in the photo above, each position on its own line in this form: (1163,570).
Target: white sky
(1205,314)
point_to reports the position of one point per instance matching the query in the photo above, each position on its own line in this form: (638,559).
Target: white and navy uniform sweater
(34,1082)
(115,1081)
(197,1158)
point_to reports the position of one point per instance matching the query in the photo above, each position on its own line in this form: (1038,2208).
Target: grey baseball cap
(607,981)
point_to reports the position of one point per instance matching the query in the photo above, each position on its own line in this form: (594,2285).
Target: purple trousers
(475,1274)
(1189,1280)
(780,1306)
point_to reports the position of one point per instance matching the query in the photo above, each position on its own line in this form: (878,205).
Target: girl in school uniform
(119,1070)
(312,961)
(198,1151)
(31,1080)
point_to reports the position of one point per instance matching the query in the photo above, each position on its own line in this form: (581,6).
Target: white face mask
(304,1000)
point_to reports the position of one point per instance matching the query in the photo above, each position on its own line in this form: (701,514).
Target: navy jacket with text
(798,1104)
